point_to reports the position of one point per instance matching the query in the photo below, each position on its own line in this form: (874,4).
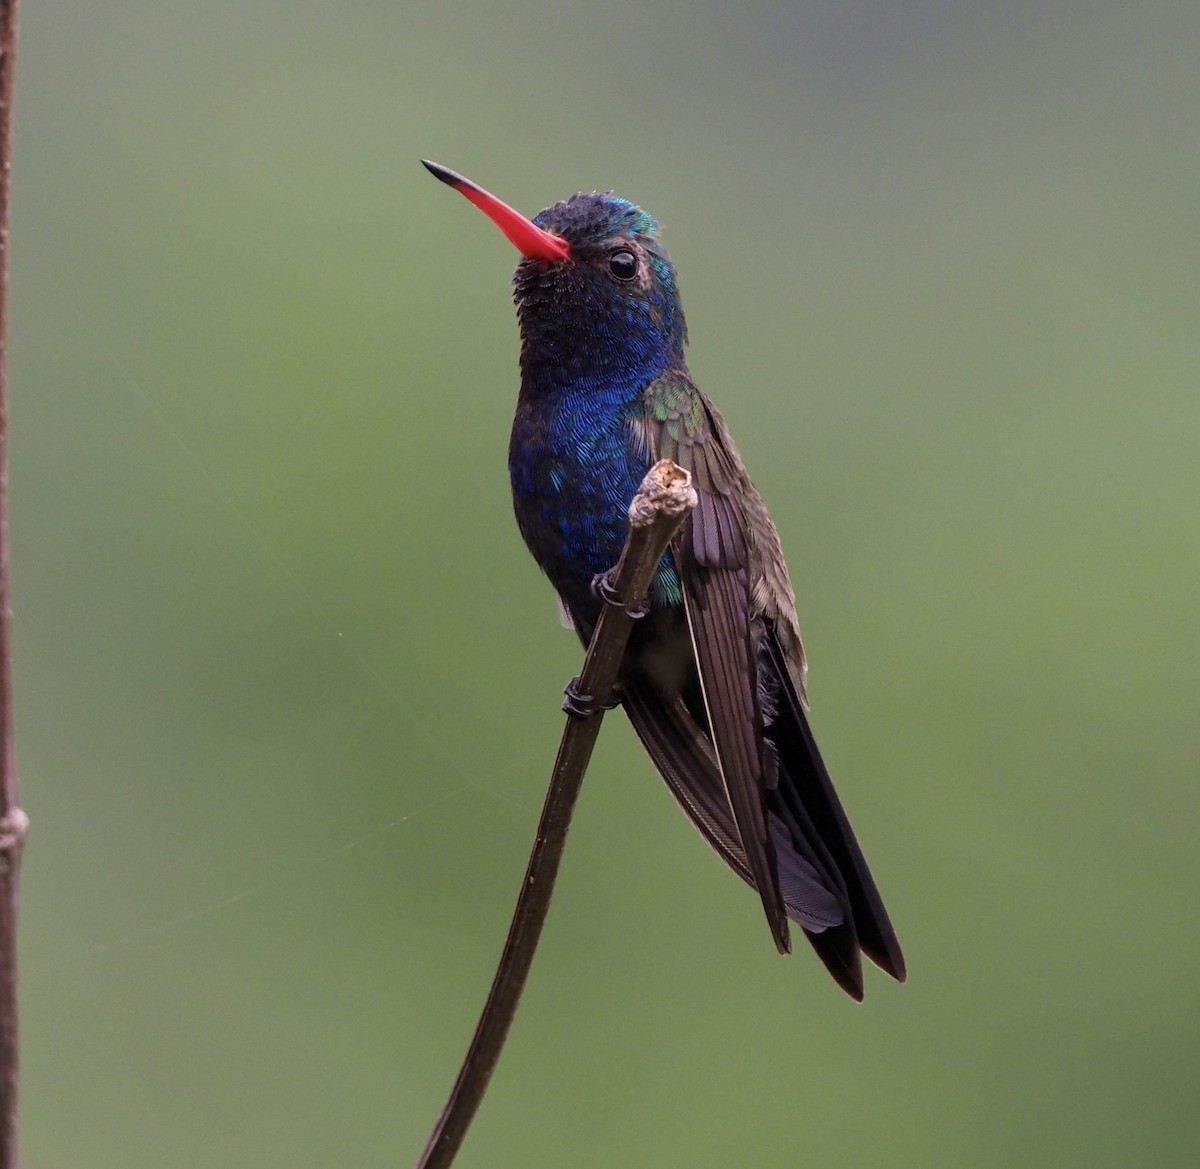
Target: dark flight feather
(812,790)
(717,602)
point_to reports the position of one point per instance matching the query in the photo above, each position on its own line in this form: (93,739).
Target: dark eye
(623,265)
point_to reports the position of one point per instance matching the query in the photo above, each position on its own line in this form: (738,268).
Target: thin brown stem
(663,502)
(13,822)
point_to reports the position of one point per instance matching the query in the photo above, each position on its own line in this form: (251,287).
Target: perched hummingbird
(713,678)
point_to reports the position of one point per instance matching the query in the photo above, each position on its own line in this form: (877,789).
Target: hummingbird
(713,679)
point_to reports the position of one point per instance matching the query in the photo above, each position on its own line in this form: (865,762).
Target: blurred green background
(288,683)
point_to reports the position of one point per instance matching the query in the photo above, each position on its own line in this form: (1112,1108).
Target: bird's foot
(603,590)
(580,705)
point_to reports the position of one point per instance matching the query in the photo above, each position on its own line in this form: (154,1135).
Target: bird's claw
(603,590)
(580,705)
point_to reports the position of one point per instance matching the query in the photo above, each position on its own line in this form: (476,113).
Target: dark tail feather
(806,789)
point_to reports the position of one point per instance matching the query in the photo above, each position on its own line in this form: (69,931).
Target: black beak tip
(444,173)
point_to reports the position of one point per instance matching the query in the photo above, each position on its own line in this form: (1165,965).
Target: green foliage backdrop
(288,683)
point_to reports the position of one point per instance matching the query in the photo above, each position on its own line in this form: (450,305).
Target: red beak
(529,239)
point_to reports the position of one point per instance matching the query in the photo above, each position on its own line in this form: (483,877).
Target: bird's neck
(601,353)
(554,386)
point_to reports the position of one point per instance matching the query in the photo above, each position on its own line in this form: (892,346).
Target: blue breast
(576,461)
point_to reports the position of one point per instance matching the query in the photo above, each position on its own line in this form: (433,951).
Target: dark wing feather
(808,793)
(683,754)
(711,557)
(717,604)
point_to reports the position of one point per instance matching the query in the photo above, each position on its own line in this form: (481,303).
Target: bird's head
(596,292)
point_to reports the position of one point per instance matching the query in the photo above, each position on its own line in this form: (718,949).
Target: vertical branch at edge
(13,822)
